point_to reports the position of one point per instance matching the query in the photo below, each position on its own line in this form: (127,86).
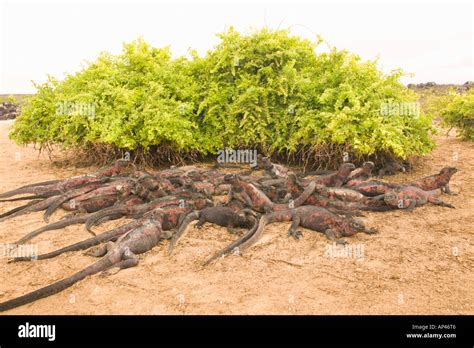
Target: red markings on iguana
(410,197)
(314,218)
(436,181)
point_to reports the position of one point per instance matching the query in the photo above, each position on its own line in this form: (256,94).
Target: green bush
(266,90)
(459,113)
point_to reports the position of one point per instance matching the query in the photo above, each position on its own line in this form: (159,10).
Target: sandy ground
(420,263)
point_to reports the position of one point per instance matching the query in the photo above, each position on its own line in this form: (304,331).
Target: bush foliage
(266,90)
(459,113)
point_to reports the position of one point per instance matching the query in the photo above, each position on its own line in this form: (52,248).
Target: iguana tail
(58,286)
(33,188)
(111,212)
(242,242)
(85,244)
(12,212)
(53,226)
(184,225)
(308,191)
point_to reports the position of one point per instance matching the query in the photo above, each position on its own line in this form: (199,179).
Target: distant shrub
(459,113)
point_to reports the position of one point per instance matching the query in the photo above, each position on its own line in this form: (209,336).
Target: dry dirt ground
(420,262)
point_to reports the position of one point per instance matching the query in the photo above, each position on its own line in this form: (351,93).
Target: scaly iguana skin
(336,179)
(149,187)
(120,254)
(315,218)
(140,209)
(410,197)
(392,168)
(173,216)
(222,216)
(73,220)
(274,189)
(374,188)
(110,235)
(92,200)
(59,186)
(333,178)
(362,173)
(342,193)
(339,200)
(45,203)
(275,170)
(249,194)
(436,181)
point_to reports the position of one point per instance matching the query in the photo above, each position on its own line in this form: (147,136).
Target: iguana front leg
(243,197)
(446,189)
(247,199)
(411,206)
(293,231)
(332,236)
(230,195)
(201,222)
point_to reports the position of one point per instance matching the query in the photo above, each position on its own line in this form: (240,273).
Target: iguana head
(391,198)
(358,225)
(448,170)
(203,202)
(346,168)
(122,162)
(320,188)
(230,178)
(369,165)
(157,214)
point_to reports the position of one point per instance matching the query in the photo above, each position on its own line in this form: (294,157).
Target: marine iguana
(45,203)
(249,194)
(314,218)
(54,187)
(336,179)
(138,210)
(92,200)
(436,181)
(374,188)
(342,201)
(409,197)
(120,254)
(173,217)
(363,172)
(392,168)
(222,216)
(275,170)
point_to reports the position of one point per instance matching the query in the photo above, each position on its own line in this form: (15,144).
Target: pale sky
(432,40)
